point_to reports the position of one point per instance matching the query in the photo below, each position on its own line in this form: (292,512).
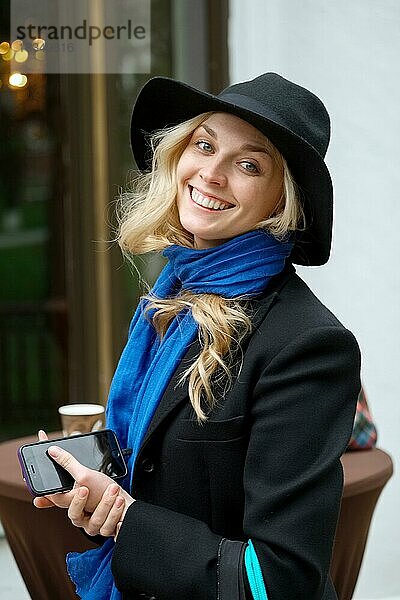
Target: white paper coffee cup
(81,418)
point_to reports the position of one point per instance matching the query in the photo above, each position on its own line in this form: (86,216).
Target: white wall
(348,53)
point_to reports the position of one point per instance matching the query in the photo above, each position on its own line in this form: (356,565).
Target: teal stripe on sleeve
(254,573)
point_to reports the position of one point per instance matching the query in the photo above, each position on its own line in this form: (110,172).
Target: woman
(237,388)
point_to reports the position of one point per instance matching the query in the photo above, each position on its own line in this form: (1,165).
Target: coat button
(147,465)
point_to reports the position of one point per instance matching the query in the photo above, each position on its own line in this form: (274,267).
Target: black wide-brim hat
(290,116)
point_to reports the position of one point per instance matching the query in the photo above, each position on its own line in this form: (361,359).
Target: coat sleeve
(303,411)
(301,415)
(165,555)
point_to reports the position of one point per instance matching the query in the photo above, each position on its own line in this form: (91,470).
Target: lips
(208,201)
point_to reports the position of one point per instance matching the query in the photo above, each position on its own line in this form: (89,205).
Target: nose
(213,172)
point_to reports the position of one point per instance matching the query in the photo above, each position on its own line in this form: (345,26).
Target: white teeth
(207,202)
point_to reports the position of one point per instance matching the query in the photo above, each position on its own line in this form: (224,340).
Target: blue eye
(203,145)
(249,166)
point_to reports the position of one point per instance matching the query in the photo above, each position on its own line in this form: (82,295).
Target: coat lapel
(177,393)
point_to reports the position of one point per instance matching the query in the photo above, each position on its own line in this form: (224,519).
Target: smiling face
(227,180)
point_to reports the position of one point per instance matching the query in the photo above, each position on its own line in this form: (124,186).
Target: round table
(366,473)
(40,539)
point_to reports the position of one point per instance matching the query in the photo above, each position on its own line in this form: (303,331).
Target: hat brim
(165,102)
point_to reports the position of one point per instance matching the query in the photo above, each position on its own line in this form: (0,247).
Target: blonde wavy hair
(148,221)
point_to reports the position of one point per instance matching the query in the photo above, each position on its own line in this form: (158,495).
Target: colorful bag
(364,434)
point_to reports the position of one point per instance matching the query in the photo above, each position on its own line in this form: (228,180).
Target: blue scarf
(241,267)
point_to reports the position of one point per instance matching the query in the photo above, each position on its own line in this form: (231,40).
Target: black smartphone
(98,450)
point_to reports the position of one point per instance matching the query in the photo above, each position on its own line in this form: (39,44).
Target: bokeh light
(21,56)
(17,80)
(17,45)
(40,55)
(8,55)
(38,44)
(4,47)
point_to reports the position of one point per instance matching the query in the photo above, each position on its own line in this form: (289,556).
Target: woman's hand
(105,517)
(97,503)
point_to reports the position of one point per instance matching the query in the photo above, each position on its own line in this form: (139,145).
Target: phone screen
(99,451)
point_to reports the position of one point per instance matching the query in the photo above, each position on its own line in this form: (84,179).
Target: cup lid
(81,409)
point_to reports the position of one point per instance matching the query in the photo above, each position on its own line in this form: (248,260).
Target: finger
(67,461)
(113,519)
(42,502)
(42,435)
(62,500)
(76,510)
(102,510)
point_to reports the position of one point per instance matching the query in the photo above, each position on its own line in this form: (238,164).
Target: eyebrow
(249,147)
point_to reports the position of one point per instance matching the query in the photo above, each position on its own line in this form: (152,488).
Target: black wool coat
(265,466)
